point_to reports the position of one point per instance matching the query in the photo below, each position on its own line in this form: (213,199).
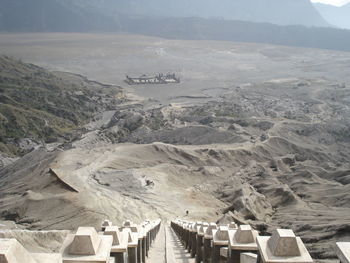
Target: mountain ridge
(123,16)
(104,15)
(51,15)
(287,12)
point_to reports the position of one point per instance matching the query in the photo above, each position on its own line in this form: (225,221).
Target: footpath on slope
(167,248)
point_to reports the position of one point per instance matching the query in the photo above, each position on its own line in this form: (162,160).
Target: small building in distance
(158,79)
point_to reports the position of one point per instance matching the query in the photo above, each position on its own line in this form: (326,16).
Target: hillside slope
(39,106)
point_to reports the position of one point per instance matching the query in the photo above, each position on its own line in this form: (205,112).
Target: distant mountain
(73,15)
(337,16)
(51,15)
(280,12)
(179,19)
(213,29)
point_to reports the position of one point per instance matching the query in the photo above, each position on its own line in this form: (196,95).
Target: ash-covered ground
(255,133)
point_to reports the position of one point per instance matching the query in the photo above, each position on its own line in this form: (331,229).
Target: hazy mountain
(168,19)
(338,16)
(71,15)
(213,29)
(281,12)
(50,15)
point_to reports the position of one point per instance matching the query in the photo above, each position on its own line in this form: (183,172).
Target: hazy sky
(332,2)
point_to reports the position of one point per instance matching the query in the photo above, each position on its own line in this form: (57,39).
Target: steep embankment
(38,106)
